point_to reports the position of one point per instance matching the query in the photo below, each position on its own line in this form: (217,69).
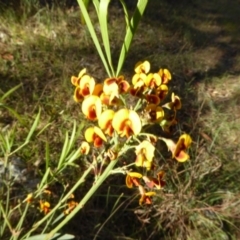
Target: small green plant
(120,117)
(101,8)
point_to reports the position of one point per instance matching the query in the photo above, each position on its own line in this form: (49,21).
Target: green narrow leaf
(96,5)
(64,151)
(131,29)
(94,36)
(43,129)
(86,3)
(44,179)
(125,13)
(5,216)
(47,155)
(14,113)
(22,218)
(57,236)
(72,138)
(9,92)
(34,126)
(103,14)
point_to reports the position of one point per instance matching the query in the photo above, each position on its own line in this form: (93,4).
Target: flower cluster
(119,110)
(44,204)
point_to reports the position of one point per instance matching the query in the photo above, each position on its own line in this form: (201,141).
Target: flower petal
(152,99)
(142,67)
(123,86)
(82,73)
(105,121)
(100,133)
(75,81)
(155,112)
(183,143)
(98,89)
(146,148)
(87,85)
(132,178)
(181,156)
(78,97)
(89,134)
(126,122)
(92,107)
(165,75)
(110,87)
(84,148)
(153,80)
(95,134)
(136,124)
(162,91)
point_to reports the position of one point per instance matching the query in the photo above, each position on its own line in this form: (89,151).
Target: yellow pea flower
(92,107)
(165,75)
(178,149)
(126,122)
(152,99)
(95,135)
(142,67)
(155,113)
(44,206)
(133,179)
(87,85)
(145,196)
(84,148)
(105,121)
(162,91)
(145,154)
(153,80)
(76,80)
(153,182)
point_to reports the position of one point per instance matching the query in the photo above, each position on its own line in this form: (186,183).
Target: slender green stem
(89,194)
(79,182)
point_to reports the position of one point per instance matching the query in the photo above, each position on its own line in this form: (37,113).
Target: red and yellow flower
(162,91)
(152,99)
(155,113)
(178,149)
(157,183)
(44,206)
(175,104)
(70,206)
(95,135)
(87,85)
(138,80)
(133,179)
(165,75)
(92,107)
(29,198)
(126,123)
(98,90)
(105,121)
(146,197)
(124,86)
(142,67)
(115,86)
(76,80)
(145,154)
(153,80)
(84,148)
(84,87)
(110,87)
(77,96)
(110,101)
